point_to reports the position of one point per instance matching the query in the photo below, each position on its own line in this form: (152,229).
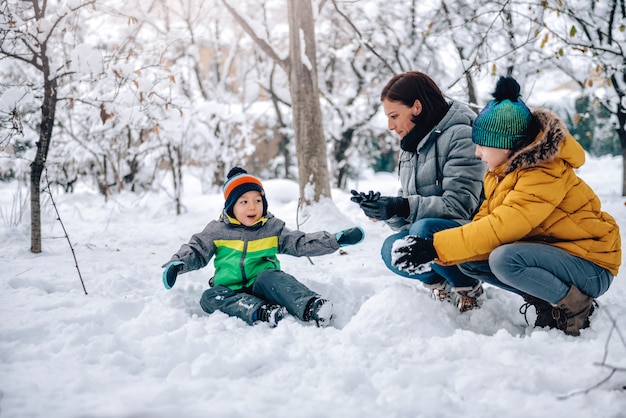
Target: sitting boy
(245,240)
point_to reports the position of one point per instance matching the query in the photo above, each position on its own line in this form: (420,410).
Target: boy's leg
(560,286)
(239,304)
(547,272)
(279,287)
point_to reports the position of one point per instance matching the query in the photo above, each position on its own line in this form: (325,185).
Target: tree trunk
(48,110)
(621,125)
(307,115)
(623,171)
(341,148)
(175,156)
(35,209)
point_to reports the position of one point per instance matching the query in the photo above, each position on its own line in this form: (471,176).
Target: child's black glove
(350,236)
(171,271)
(412,254)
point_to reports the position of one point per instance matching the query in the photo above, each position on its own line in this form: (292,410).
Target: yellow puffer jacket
(537,197)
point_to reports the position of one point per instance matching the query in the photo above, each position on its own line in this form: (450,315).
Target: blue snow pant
(426,228)
(270,286)
(539,270)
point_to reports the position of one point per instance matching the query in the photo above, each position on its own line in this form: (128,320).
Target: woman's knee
(427,227)
(387,247)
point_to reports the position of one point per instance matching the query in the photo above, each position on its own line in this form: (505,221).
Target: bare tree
(30,38)
(301,68)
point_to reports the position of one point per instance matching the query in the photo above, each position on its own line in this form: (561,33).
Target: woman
(540,232)
(440,178)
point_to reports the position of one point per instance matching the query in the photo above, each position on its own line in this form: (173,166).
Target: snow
(86,60)
(131,348)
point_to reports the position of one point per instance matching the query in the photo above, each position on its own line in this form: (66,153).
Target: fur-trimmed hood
(548,145)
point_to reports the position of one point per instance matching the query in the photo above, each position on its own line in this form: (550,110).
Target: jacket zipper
(242,265)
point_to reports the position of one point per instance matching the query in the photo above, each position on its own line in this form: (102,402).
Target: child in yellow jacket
(540,232)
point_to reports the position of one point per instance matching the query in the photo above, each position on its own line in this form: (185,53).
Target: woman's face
(492,157)
(399,116)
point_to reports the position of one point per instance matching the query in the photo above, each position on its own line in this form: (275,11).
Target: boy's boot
(544,311)
(572,312)
(271,313)
(319,310)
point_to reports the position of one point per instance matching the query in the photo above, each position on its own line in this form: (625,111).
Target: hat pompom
(505,121)
(234,171)
(507,88)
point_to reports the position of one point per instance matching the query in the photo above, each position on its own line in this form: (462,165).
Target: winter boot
(271,314)
(463,298)
(572,312)
(439,291)
(544,311)
(319,310)
(466,298)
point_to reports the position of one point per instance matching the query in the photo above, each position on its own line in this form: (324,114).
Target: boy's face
(248,208)
(492,157)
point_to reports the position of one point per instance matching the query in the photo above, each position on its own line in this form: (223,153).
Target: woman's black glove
(413,254)
(380,207)
(360,197)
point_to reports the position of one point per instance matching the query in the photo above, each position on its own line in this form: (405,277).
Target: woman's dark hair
(414,85)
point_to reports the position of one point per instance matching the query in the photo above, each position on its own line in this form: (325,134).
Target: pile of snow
(130,348)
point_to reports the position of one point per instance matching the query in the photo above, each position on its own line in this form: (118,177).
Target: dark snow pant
(270,286)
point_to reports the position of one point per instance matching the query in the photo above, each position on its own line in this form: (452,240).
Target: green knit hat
(505,120)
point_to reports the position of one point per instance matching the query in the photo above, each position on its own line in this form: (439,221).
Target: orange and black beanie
(238,182)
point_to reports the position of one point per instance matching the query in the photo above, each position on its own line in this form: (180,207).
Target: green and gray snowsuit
(247,269)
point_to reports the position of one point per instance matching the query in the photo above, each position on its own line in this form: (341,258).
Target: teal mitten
(170,273)
(350,236)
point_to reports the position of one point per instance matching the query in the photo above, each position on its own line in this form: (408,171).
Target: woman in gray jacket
(440,178)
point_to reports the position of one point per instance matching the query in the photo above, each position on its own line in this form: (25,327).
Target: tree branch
(364,42)
(267,48)
(64,230)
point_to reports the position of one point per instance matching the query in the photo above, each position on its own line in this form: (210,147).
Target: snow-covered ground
(130,348)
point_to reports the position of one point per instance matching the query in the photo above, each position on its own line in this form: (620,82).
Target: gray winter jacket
(242,252)
(443,178)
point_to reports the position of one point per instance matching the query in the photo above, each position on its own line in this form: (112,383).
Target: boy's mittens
(350,236)
(413,254)
(360,197)
(171,271)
